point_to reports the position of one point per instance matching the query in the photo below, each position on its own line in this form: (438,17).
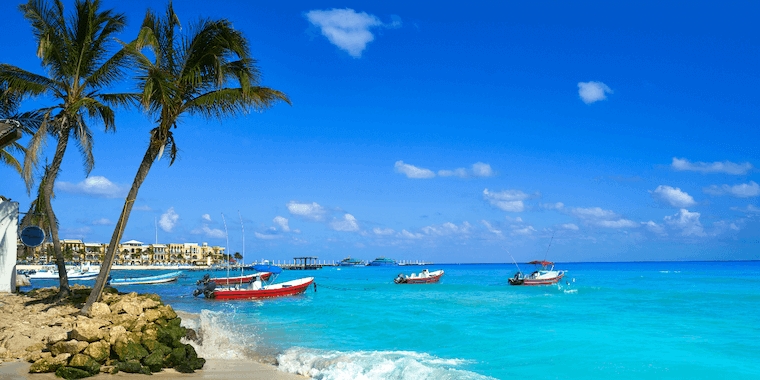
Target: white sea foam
(220,337)
(372,365)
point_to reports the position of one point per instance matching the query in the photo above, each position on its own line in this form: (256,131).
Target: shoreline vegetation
(127,333)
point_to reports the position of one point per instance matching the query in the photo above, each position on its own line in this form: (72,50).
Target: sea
(649,320)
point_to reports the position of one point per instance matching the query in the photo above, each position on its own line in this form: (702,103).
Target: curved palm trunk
(52,172)
(105,266)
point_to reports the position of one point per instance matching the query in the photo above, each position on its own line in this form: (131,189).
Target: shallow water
(616,320)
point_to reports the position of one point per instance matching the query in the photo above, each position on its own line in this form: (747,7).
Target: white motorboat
(50,272)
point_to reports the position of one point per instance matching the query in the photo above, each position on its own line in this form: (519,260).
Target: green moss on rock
(129,351)
(72,373)
(84,362)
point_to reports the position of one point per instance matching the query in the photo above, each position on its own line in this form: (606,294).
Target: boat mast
(550,245)
(228,246)
(242,227)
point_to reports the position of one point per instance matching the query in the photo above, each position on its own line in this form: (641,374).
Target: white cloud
(569,226)
(383,231)
(490,228)
(102,222)
(511,219)
(168,220)
(347,223)
(479,170)
(282,222)
(206,217)
(447,229)
(687,222)
(727,167)
(95,186)
(408,235)
(311,211)
(82,232)
(654,227)
(743,190)
(267,236)
(550,206)
(673,196)
(602,218)
(529,230)
(593,91)
(413,171)
(507,200)
(143,208)
(347,29)
(750,209)
(209,232)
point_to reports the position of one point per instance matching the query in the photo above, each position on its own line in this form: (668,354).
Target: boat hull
(277,290)
(538,281)
(424,280)
(161,279)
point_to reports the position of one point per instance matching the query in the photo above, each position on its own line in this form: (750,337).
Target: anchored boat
(425,277)
(383,261)
(158,279)
(240,279)
(349,262)
(50,272)
(543,275)
(258,288)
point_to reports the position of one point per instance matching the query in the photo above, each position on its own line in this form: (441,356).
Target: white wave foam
(372,365)
(220,337)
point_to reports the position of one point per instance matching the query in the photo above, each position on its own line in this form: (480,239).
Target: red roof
(541,262)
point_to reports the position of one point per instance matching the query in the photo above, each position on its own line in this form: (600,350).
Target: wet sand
(214,369)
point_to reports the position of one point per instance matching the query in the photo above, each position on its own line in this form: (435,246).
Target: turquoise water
(616,320)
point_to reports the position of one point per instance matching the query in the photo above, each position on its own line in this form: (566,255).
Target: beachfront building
(131,252)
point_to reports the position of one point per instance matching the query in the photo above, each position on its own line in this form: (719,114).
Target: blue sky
(451,133)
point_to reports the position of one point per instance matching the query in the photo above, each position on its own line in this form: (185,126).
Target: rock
(84,362)
(192,336)
(129,350)
(88,330)
(109,369)
(22,280)
(69,347)
(148,303)
(33,356)
(57,336)
(154,361)
(150,332)
(132,366)
(151,315)
(71,373)
(132,308)
(99,309)
(177,356)
(19,342)
(167,312)
(151,344)
(115,333)
(50,364)
(37,347)
(98,350)
(139,324)
(126,320)
(171,335)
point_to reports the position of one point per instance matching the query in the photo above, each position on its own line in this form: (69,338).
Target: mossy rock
(197,363)
(177,356)
(190,352)
(184,368)
(151,344)
(161,322)
(133,366)
(85,363)
(154,361)
(72,373)
(129,351)
(171,334)
(153,296)
(110,290)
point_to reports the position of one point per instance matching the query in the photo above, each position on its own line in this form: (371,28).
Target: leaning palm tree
(188,75)
(75,54)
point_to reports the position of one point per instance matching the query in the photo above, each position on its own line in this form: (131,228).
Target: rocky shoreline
(129,332)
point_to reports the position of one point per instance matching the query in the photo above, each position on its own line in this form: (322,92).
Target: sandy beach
(214,369)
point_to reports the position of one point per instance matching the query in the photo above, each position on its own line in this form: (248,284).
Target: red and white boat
(258,288)
(425,277)
(544,275)
(241,279)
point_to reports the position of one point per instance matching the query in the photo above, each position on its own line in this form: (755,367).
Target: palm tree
(188,76)
(27,122)
(75,54)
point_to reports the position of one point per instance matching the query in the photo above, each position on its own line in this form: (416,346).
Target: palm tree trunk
(52,172)
(105,267)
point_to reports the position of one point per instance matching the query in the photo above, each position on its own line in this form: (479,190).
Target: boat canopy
(541,262)
(268,268)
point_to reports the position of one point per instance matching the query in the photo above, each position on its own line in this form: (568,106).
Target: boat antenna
(228,246)
(513,259)
(243,263)
(550,245)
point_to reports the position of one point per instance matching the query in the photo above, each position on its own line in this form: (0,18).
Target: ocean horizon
(642,320)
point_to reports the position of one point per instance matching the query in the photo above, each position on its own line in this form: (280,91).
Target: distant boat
(159,279)
(50,272)
(349,262)
(383,261)
(425,277)
(255,289)
(544,275)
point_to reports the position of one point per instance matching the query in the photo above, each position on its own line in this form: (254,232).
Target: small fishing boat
(383,261)
(544,275)
(257,288)
(240,279)
(159,279)
(50,272)
(425,277)
(349,262)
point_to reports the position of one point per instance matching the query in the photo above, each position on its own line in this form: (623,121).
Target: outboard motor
(206,287)
(400,279)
